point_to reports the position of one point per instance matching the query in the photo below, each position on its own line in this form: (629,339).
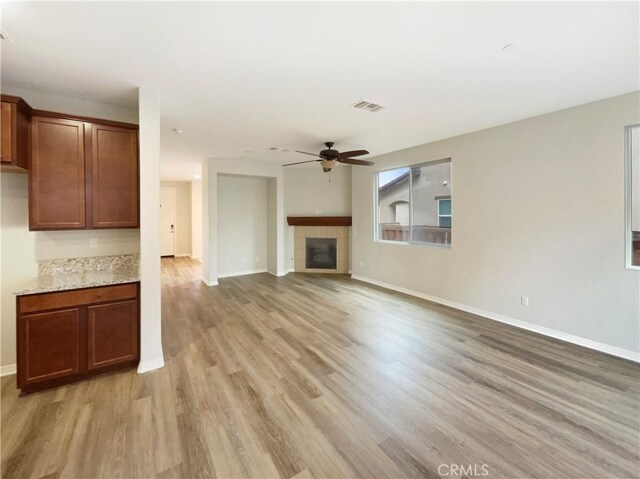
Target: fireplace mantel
(319,220)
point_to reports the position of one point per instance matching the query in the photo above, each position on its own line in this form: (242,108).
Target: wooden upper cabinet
(6,117)
(84,174)
(14,126)
(57,177)
(114,172)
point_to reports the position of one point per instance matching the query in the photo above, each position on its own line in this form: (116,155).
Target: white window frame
(376,189)
(628,197)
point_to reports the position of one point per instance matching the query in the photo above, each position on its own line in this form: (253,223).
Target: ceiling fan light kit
(327,165)
(330,158)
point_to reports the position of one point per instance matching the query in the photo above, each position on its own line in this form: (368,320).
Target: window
(414,204)
(444,212)
(632,154)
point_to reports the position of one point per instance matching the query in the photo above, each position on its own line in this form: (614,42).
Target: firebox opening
(321,253)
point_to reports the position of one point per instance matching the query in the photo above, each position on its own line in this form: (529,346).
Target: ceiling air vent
(367,105)
(5,36)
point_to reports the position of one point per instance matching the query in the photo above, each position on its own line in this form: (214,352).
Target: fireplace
(320,248)
(321,253)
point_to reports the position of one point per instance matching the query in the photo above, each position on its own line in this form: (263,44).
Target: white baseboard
(242,273)
(150,365)
(278,275)
(210,283)
(8,370)
(566,337)
(183,255)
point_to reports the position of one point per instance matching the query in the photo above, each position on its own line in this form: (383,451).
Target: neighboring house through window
(414,204)
(632,160)
(444,212)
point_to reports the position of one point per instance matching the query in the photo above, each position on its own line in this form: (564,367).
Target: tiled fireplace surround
(321,227)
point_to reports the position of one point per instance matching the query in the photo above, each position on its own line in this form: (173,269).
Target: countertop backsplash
(88,264)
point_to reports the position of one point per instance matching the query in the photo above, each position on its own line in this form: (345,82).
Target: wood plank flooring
(323,376)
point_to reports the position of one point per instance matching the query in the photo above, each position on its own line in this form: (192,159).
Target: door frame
(175,222)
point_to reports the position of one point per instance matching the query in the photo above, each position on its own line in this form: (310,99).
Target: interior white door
(168,221)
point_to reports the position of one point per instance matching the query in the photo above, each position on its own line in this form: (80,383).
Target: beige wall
(151,356)
(65,104)
(308,191)
(196,219)
(18,256)
(183,215)
(272,225)
(74,244)
(539,212)
(271,173)
(21,248)
(242,224)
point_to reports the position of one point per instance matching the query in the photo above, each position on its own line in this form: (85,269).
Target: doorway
(168,221)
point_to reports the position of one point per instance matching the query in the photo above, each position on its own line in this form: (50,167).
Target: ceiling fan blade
(349,154)
(351,161)
(300,162)
(305,153)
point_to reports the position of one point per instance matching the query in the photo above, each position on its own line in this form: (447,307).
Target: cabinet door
(112,334)
(114,165)
(8,131)
(57,177)
(48,346)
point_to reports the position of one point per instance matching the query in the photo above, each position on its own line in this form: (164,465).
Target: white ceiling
(239,77)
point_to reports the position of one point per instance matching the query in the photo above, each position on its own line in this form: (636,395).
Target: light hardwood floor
(323,376)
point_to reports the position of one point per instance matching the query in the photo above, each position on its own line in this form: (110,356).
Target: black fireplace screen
(321,253)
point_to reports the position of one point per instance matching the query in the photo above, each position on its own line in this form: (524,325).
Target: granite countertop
(78,273)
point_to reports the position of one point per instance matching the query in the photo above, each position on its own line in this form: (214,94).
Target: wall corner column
(209,224)
(151,356)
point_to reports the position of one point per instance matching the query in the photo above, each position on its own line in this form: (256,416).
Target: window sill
(413,243)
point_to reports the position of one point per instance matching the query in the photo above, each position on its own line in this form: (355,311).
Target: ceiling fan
(330,158)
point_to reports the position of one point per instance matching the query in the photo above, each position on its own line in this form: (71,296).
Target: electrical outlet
(93,242)
(524,300)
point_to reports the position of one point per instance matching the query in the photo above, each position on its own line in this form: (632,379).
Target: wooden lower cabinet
(68,336)
(49,345)
(112,334)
